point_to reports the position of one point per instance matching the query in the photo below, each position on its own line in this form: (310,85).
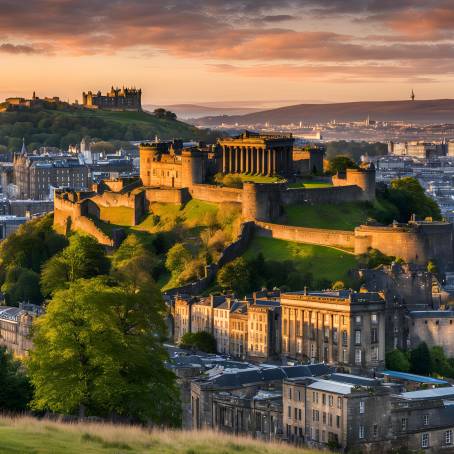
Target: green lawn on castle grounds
(323,262)
(310,184)
(260,178)
(343,216)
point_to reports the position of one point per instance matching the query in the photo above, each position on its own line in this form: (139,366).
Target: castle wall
(362,178)
(341,194)
(215,194)
(323,237)
(167,195)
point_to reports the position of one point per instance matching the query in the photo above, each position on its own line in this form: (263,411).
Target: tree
(177,258)
(397,360)
(83,258)
(338,285)
(409,197)
(201,341)
(98,351)
(420,360)
(15,389)
(339,164)
(164,114)
(235,276)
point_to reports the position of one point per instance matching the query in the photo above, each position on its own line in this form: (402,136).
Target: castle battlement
(115,99)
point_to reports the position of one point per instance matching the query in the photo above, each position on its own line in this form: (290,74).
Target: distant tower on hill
(412,96)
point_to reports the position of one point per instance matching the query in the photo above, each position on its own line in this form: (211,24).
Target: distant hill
(425,111)
(60,128)
(193,111)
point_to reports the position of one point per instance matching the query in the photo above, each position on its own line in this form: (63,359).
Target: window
(424,440)
(361,432)
(324,399)
(339,402)
(344,338)
(324,418)
(358,337)
(374,354)
(362,406)
(426,420)
(330,420)
(358,356)
(448,437)
(299,414)
(358,319)
(404,424)
(374,336)
(338,419)
(296,413)
(335,336)
(290,393)
(299,395)
(330,401)
(375,430)
(374,318)
(289,412)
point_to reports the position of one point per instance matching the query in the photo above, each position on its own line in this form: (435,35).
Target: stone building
(338,327)
(435,328)
(35,175)
(182,317)
(115,99)
(238,334)
(264,333)
(356,413)
(246,401)
(308,160)
(221,325)
(202,315)
(258,154)
(15,326)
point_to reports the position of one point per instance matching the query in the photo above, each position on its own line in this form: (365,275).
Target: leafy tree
(420,360)
(15,389)
(409,197)
(83,258)
(397,360)
(439,363)
(164,114)
(177,258)
(201,341)
(339,164)
(97,351)
(235,276)
(373,258)
(338,285)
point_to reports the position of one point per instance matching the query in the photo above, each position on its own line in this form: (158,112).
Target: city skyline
(235,50)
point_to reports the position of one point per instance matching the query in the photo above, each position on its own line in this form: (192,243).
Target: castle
(170,173)
(116,99)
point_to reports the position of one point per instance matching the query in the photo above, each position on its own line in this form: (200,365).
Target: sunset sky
(194,51)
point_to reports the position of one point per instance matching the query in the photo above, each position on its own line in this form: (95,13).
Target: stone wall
(336,238)
(215,194)
(339,194)
(167,195)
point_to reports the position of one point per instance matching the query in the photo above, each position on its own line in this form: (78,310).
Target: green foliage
(373,258)
(177,258)
(409,197)
(235,276)
(420,360)
(338,285)
(65,127)
(15,388)
(164,114)
(97,350)
(84,257)
(397,360)
(340,164)
(354,150)
(229,180)
(432,267)
(21,256)
(201,341)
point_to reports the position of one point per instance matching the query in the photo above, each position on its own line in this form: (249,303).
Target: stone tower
(192,168)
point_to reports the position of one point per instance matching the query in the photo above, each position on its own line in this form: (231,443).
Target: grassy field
(322,262)
(344,216)
(28,435)
(259,178)
(121,216)
(310,184)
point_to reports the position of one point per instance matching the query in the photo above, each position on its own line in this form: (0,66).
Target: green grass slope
(323,262)
(28,435)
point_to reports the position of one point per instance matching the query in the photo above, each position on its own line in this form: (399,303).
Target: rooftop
(435,393)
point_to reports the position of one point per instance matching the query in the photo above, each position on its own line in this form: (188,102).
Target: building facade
(257,154)
(344,327)
(115,99)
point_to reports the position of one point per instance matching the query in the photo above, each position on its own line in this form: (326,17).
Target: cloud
(9,48)
(350,39)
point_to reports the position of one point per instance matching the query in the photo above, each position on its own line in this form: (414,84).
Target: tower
(412,96)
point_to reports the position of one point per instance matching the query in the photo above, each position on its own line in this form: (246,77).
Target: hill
(60,128)
(424,111)
(186,111)
(29,435)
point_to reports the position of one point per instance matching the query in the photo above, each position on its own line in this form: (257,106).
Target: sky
(256,51)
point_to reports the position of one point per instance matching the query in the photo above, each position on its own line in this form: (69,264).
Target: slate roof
(435,393)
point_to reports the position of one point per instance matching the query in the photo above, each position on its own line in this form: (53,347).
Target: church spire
(24,148)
